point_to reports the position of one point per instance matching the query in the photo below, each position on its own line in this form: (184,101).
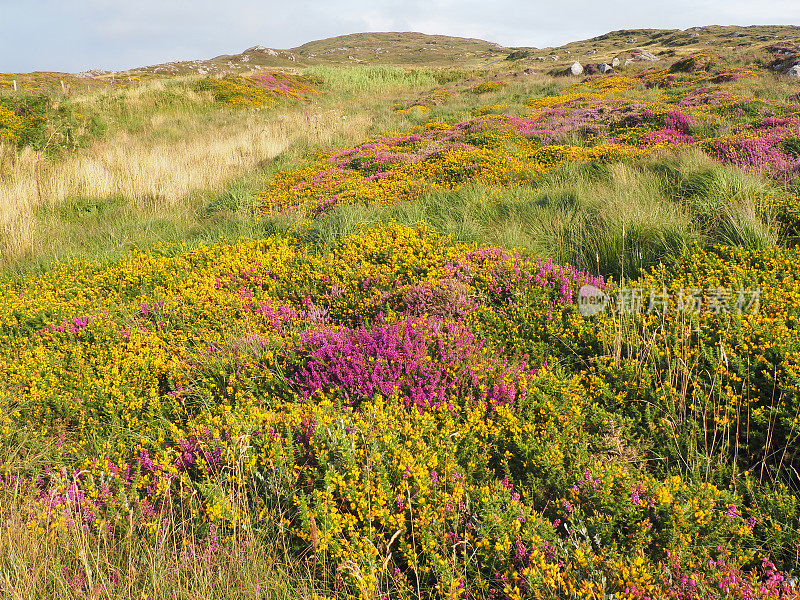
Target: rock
(591,69)
(630,40)
(794,72)
(615,62)
(576,68)
(592,51)
(605,68)
(91,73)
(647,56)
(528,71)
(539,58)
(554,57)
(518,54)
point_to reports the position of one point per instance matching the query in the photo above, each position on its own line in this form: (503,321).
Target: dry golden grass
(155,176)
(100,565)
(88,565)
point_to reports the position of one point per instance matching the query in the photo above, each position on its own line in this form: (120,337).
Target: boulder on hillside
(576,68)
(518,55)
(794,72)
(605,68)
(615,62)
(645,56)
(591,69)
(635,55)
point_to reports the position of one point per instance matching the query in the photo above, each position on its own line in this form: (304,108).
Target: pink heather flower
(678,121)
(73,326)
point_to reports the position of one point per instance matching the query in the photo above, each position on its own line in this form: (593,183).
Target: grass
(639,399)
(162,158)
(168,152)
(249,565)
(615,219)
(367,80)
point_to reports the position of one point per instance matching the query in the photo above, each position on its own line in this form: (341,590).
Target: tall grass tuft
(374,79)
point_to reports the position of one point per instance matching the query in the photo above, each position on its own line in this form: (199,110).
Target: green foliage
(43,123)
(371,79)
(791,146)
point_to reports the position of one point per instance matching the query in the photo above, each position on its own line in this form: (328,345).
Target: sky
(74,35)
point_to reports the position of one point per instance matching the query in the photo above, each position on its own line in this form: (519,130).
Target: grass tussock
(156,178)
(380,79)
(617,219)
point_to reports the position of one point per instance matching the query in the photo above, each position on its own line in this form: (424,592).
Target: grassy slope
(201,167)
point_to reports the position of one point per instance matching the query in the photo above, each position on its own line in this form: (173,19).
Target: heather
(596,121)
(443,399)
(356,364)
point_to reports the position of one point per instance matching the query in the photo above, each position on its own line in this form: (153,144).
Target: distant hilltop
(411,49)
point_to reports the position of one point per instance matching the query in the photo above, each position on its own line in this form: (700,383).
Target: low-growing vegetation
(332,340)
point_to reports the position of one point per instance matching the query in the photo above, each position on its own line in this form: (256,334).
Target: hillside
(393,316)
(408,49)
(417,49)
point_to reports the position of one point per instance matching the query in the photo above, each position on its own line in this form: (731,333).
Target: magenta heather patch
(422,359)
(277,314)
(73,326)
(760,154)
(677,120)
(667,135)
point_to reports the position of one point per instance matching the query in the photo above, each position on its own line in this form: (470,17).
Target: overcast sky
(73,35)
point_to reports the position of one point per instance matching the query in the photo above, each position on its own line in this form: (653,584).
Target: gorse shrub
(255,91)
(489,86)
(38,121)
(421,416)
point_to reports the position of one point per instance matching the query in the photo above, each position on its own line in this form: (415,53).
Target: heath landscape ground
(308,323)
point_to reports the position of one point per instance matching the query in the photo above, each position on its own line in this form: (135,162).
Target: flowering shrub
(495,150)
(425,418)
(489,86)
(429,415)
(257,90)
(10,125)
(593,120)
(23,120)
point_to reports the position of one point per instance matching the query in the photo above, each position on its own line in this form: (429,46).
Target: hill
(414,49)
(348,324)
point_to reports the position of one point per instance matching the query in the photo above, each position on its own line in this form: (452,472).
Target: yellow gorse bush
(186,365)
(10,125)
